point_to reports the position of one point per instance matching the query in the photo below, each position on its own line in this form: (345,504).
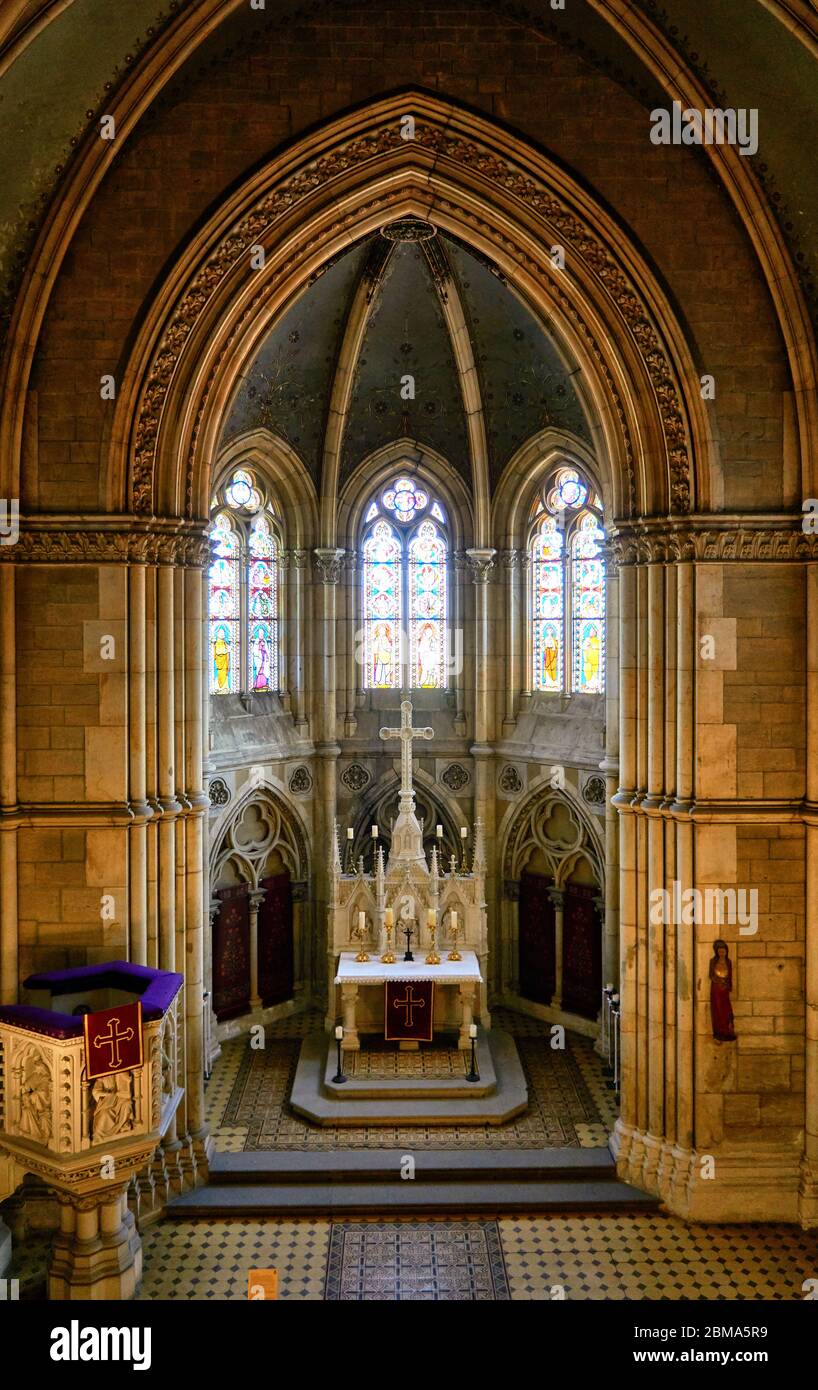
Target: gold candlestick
(454,954)
(388,957)
(360,932)
(433,958)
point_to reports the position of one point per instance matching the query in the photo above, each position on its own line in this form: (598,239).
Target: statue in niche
(35,1096)
(721,985)
(113,1105)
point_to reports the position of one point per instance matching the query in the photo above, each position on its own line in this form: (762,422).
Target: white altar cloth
(351,975)
(374,972)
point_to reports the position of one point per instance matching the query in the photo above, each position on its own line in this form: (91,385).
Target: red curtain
(581,952)
(275,940)
(537,947)
(231,953)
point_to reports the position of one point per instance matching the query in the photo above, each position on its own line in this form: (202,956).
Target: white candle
(463,832)
(339,1032)
(389,918)
(361,920)
(609,988)
(472,1030)
(439,831)
(431,917)
(453,919)
(350,833)
(374,832)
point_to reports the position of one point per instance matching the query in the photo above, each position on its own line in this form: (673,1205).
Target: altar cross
(406,734)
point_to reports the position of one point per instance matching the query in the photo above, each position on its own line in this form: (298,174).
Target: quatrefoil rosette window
(243,590)
(567,595)
(405,549)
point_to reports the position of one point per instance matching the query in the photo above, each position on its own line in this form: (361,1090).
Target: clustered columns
(557,897)
(481,564)
(328,570)
(168,805)
(809,1167)
(655,1137)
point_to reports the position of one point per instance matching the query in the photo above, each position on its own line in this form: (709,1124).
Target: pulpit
(87,1134)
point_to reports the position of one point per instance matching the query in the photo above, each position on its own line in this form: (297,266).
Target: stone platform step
(350,1181)
(418,1101)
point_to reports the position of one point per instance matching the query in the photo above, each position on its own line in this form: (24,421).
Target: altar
(362,993)
(436,911)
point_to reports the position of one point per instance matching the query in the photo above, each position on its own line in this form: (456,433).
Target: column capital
(557,896)
(481,563)
(328,562)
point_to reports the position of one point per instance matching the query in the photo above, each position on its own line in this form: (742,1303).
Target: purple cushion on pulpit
(156,988)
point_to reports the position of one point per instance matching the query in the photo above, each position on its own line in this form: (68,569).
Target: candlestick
(388,956)
(473,1074)
(360,932)
(454,954)
(339,1077)
(431,921)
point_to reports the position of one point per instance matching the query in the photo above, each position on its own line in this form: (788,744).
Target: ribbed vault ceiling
(414,293)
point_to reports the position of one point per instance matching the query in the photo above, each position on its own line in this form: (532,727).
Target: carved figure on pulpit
(113,1105)
(35,1096)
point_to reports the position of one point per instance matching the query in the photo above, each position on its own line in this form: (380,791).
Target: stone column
(610,770)
(195,871)
(685,953)
(652,809)
(349,1005)
(137,736)
(97,1253)
(458,624)
(626,1124)
(328,562)
(298,638)
(166,747)
(481,563)
(352,682)
(557,897)
(257,897)
(466,1013)
(515,641)
(808,1190)
(8,790)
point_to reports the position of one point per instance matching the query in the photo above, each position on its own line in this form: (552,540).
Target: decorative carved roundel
(219,792)
(510,780)
(455,777)
(355,777)
(301,780)
(594,791)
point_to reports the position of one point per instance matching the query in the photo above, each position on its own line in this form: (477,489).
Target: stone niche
(87,1138)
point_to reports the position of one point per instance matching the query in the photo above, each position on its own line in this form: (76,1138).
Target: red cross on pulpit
(409,1011)
(113,1040)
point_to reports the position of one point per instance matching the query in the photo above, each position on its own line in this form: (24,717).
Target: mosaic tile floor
(384,1061)
(571,1103)
(542,1258)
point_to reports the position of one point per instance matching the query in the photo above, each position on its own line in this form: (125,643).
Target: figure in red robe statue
(721,984)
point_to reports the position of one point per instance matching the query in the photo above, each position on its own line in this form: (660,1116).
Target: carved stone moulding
(300,781)
(219,792)
(108,540)
(462,149)
(356,777)
(593,790)
(455,777)
(510,782)
(711,537)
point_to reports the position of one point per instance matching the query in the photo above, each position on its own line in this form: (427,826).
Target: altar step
(353,1181)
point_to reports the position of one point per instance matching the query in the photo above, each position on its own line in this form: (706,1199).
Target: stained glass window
(587,606)
(568,586)
(548,606)
(427,609)
(405,500)
(262,608)
(382,608)
(224,610)
(243,599)
(405,585)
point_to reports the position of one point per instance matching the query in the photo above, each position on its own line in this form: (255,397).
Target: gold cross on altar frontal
(406,733)
(408,1003)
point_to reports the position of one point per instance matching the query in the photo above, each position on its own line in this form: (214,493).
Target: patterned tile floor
(465,1258)
(571,1103)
